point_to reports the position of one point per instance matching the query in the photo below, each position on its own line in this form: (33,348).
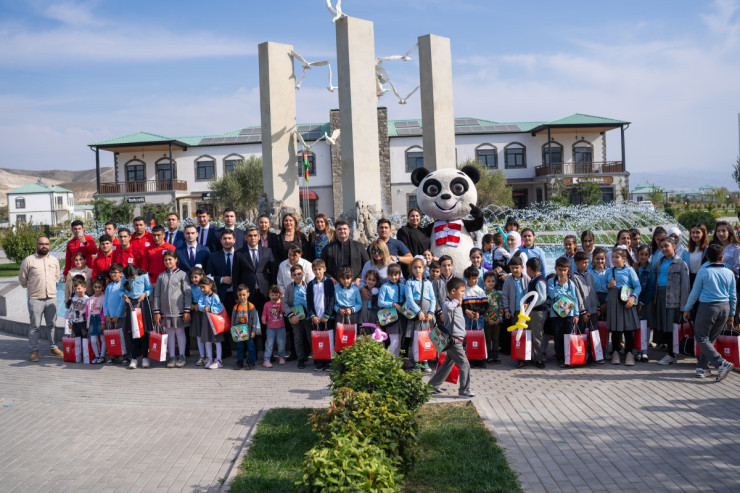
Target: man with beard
(39,274)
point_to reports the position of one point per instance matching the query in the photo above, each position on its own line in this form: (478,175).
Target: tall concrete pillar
(437,109)
(358,112)
(278,116)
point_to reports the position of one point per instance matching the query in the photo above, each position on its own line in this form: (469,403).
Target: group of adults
(230,255)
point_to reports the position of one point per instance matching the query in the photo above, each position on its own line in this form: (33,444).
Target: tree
(558,193)
(625,193)
(720,194)
(657,196)
(492,187)
(239,189)
(3,213)
(103,209)
(589,192)
(736,171)
(20,241)
(158,212)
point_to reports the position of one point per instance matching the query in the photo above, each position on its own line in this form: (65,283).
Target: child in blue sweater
(564,301)
(393,295)
(113,304)
(347,297)
(135,293)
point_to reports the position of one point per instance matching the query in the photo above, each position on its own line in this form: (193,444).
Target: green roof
(38,188)
(396,128)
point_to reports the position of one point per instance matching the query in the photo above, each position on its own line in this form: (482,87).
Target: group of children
(630,287)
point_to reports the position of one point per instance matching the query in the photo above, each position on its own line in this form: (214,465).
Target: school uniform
(512,292)
(388,295)
(320,301)
(213,303)
(140,285)
(537,252)
(455,325)
(348,297)
(562,325)
(294,295)
(420,298)
(538,315)
(246,315)
(619,318)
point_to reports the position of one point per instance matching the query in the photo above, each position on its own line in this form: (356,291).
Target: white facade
(52,207)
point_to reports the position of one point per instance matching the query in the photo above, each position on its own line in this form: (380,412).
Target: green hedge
(688,219)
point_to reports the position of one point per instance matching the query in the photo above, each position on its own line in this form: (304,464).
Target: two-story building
(177,170)
(41,204)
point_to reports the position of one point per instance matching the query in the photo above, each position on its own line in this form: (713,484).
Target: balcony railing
(142,186)
(580,168)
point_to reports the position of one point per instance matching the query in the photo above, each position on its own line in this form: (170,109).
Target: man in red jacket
(111,229)
(124,254)
(152,260)
(141,240)
(80,242)
(104,257)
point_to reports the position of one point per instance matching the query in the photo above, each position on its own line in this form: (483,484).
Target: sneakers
(724,370)
(703,373)
(125,361)
(133,365)
(201,361)
(267,364)
(171,363)
(251,366)
(629,360)
(615,358)
(667,360)
(467,394)
(55,351)
(425,368)
(34,357)
(419,367)
(181,362)
(435,390)
(215,365)
(301,364)
(145,363)
(239,365)
(113,360)
(644,358)
(282,361)
(98,361)
(521,364)
(540,364)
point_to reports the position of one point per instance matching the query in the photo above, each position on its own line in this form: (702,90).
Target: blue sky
(73,73)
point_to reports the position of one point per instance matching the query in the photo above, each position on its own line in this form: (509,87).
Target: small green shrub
(346,463)
(688,219)
(368,367)
(19,242)
(380,420)
(668,209)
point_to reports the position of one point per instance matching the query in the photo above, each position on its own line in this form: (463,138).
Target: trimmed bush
(346,463)
(368,367)
(20,242)
(380,420)
(688,219)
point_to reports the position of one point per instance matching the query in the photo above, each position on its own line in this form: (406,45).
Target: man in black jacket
(343,251)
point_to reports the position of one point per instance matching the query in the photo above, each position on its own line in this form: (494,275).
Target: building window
(20,203)
(60,202)
(311,164)
(414,158)
(583,152)
(205,168)
(20,218)
(487,156)
(552,153)
(515,155)
(411,201)
(135,171)
(231,161)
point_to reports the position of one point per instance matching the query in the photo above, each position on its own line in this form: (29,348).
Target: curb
(243,449)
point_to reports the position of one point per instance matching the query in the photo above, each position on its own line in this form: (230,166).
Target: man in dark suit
(191,252)
(172,233)
(344,251)
(256,267)
(206,231)
(220,268)
(230,223)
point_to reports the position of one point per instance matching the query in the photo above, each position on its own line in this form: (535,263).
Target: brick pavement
(604,428)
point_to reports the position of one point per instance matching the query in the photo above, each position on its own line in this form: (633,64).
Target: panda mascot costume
(447,196)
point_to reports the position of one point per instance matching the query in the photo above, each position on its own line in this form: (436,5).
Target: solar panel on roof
(309,128)
(409,131)
(230,140)
(465,121)
(206,141)
(512,128)
(501,128)
(469,129)
(250,131)
(407,124)
(311,135)
(254,138)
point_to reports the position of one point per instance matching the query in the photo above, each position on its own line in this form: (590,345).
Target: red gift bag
(219,322)
(345,337)
(597,348)
(88,354)
(603,334)
(423,346)
(521,345)
(115,343)
(575,348)
(157,346)
(728,347)
(137,323)
(322,344)
(476,344)
(641,337)
(454,373)
(72,347)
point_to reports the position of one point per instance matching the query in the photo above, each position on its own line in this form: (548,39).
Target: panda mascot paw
(448,195)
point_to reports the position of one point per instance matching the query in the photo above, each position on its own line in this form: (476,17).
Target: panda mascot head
(448,195)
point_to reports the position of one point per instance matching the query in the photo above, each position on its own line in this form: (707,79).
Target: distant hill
(82,183)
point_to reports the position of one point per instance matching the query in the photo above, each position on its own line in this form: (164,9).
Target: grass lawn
(9,270)
(458,453)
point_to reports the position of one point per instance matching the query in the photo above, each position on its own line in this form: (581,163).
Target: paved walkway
(73,427)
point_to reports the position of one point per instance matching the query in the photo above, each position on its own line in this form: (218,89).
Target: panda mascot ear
(417,175)
(472,173)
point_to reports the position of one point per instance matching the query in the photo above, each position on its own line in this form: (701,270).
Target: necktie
(254,257)
(228,263)
(192,256)
(203,233)
(171,241)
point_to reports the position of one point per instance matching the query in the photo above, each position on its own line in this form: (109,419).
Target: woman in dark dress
(267,238)
(416,240)
(289,236)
